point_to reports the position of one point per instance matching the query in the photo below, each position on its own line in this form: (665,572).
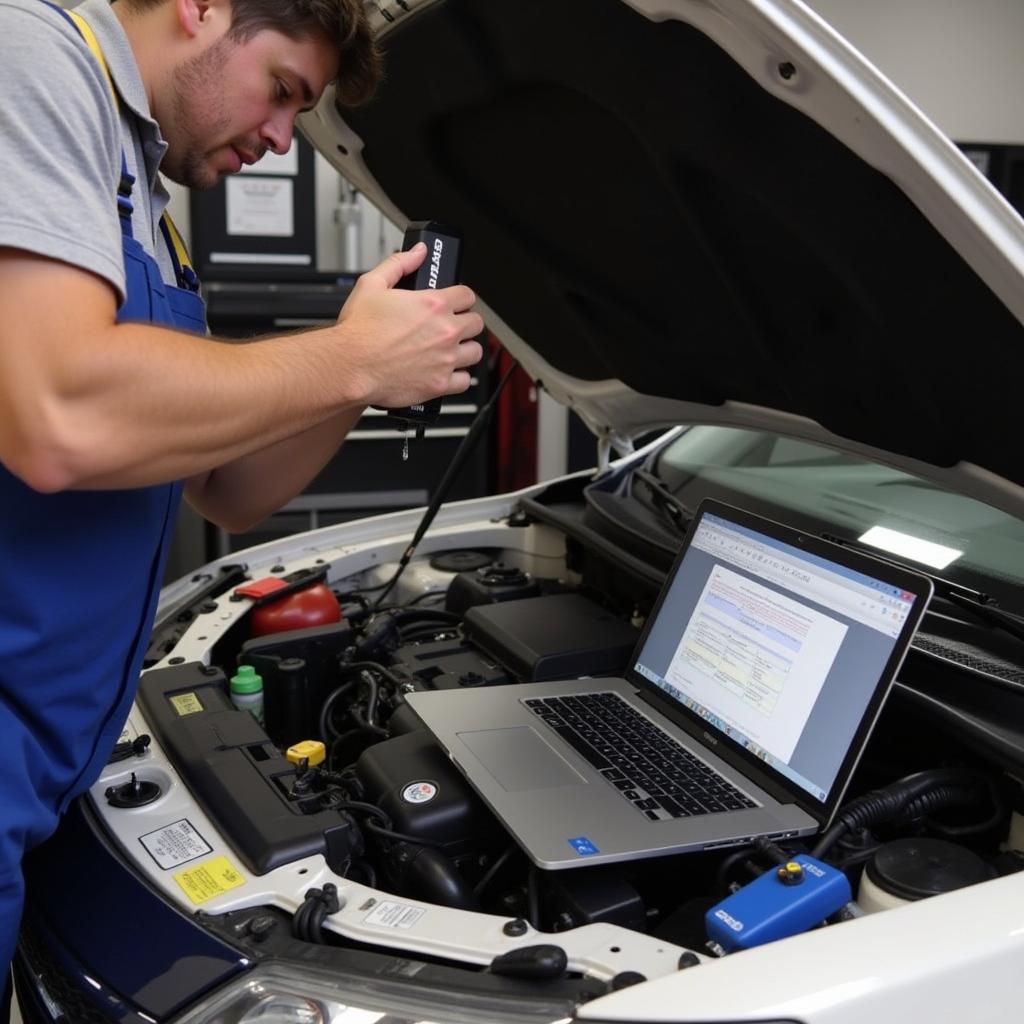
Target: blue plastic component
(784,901)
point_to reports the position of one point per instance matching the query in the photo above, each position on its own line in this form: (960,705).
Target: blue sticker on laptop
(583,846)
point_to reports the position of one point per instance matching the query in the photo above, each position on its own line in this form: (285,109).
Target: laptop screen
(779,648)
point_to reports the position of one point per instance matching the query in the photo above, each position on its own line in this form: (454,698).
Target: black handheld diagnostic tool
(440,269)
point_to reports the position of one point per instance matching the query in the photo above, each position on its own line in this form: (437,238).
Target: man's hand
(408,346)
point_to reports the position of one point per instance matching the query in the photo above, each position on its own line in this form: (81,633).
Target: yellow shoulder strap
(177,241)
(90,40)
(93,43)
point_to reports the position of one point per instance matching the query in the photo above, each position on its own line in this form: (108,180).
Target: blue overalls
(80,573)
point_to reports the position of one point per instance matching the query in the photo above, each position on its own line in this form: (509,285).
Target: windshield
(818,488)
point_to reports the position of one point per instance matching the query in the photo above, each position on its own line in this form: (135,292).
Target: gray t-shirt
(60,158)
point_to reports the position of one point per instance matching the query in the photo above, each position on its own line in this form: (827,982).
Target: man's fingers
(461,379)
(458,297)
(470,325)
(396,266)
(469,354)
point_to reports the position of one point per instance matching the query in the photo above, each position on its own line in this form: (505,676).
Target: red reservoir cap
(302,609)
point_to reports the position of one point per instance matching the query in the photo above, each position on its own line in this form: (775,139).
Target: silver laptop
(744,710)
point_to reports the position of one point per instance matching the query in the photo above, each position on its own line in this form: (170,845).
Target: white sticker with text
(394,915)
(175,844)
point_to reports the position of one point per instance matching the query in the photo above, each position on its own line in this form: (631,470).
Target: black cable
(385,830)
(328,706)
(371,700)
(734,858)
(766,848)
(952,796)
(367,872)
(374,666)
(855,857)
(364,726)
(299,921)
(308,922)
(426,629)
(888,804)
(761,847)
(422,632)
(476,429)
(344,668)
(364,808)
(400,837)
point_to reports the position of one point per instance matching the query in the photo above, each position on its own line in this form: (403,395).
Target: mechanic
(113,401)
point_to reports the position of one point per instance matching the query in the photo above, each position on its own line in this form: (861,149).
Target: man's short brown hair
(341,22)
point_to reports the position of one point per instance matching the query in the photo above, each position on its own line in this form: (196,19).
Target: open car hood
(706,211)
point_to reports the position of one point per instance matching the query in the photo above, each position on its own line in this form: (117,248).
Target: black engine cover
(413,782)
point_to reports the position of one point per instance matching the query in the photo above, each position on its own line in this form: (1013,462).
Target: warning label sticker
(175,844)
(186,703)
(211,879)
(394,915)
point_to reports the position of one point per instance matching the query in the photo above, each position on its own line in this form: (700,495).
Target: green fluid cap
(246,680)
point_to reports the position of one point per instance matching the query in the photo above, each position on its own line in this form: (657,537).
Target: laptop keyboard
(651,770)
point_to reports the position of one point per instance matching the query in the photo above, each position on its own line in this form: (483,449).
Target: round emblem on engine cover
(419,792)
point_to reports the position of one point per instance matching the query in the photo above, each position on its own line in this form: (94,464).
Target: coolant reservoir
(912,869)
(313,606)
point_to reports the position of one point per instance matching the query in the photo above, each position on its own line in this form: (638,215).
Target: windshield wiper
(982,605)
(680,514)
(990,612)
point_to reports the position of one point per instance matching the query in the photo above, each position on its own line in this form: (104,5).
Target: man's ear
(197,17)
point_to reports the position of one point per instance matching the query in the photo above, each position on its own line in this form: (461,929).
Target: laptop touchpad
(520,759)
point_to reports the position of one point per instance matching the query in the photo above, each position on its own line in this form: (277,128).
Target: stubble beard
(199,116)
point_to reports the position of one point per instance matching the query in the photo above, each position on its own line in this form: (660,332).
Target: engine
(335,762)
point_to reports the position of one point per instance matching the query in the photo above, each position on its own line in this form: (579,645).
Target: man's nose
(276,134)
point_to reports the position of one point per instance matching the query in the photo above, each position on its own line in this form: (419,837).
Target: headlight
(279,993)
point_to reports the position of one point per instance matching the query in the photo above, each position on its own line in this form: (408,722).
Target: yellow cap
(313,750)
(790,873)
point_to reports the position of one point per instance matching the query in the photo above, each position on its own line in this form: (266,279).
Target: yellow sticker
(186,704)
(207,880)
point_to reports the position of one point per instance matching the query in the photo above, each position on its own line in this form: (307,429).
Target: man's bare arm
(244,492)
(87,403)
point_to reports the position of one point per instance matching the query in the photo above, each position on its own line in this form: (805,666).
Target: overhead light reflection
(924,551)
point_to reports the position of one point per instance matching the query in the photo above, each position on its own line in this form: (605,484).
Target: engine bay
(334,769)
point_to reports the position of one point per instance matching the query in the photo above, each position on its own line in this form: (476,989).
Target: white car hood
(706,211)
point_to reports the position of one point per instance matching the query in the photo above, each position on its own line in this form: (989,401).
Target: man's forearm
(205,405)
(244,492)
(89,403)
